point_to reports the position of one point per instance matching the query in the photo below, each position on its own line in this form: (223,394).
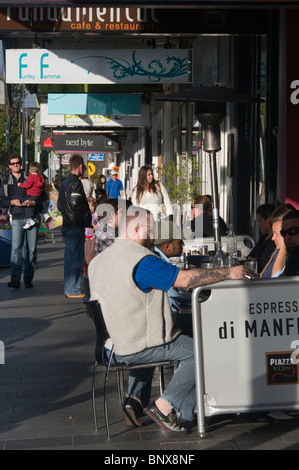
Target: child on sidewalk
(90,234)
(35,186)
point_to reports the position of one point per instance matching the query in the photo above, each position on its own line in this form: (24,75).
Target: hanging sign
(94,103)
(108,66)
(94,120)
(83,143)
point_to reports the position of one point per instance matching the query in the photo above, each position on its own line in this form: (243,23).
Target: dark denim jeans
(180,392)
(23,246)
(74,239)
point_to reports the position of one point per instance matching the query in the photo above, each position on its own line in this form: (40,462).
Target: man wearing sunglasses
(290,233)
(16,199)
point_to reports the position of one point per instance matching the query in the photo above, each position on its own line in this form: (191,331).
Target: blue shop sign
(96,157)
(106,104)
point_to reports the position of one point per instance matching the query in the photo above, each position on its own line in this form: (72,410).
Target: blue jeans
(74,239)
(23,241)
(180,392)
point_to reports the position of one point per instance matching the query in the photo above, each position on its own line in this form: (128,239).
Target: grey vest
(135,320)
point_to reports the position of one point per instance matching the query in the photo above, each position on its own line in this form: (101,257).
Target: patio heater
(210,110)
(210,115)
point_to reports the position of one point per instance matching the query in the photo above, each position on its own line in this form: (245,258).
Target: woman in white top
(89,188)
(151,194)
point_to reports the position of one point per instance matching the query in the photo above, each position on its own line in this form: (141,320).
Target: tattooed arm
(201,277)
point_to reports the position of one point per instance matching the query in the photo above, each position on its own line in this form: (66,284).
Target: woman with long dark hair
(101,187)
(151,194)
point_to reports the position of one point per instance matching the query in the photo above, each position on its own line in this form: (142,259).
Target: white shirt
(88,188)
(154,201)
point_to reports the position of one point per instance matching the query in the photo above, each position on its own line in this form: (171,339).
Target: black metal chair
(106,358)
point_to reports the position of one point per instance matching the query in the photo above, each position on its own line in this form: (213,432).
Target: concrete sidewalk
(45,383)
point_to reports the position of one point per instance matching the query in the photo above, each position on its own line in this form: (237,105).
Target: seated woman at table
(201,212)
(265,246)
(276,263)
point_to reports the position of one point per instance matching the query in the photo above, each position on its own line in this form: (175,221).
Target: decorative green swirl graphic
(155,70)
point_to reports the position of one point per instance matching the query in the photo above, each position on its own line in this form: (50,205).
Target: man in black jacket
(23,241)
(73,205)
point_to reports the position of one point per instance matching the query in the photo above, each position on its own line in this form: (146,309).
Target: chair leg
(93,397)
(120,385)
(105,404)
(118,378)
(105,400)
(105,394)
(161,379)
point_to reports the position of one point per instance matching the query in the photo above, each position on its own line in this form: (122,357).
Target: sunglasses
(15,163)
(291,232)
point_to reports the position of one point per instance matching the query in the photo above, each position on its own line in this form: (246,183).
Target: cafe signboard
(107,66)
(129,20)
(57,19)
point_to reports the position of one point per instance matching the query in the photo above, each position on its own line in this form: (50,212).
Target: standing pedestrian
(90,233)
(101,188)
(35,186)
(114,187)
(88,187)
(16,199)
(73,205)
(151,194)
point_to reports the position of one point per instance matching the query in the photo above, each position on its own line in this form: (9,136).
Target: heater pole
(215,196)
(210,115)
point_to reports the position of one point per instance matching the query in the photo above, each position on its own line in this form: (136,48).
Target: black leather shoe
(28,284)
(14,284)
(168,423)
(133,412)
